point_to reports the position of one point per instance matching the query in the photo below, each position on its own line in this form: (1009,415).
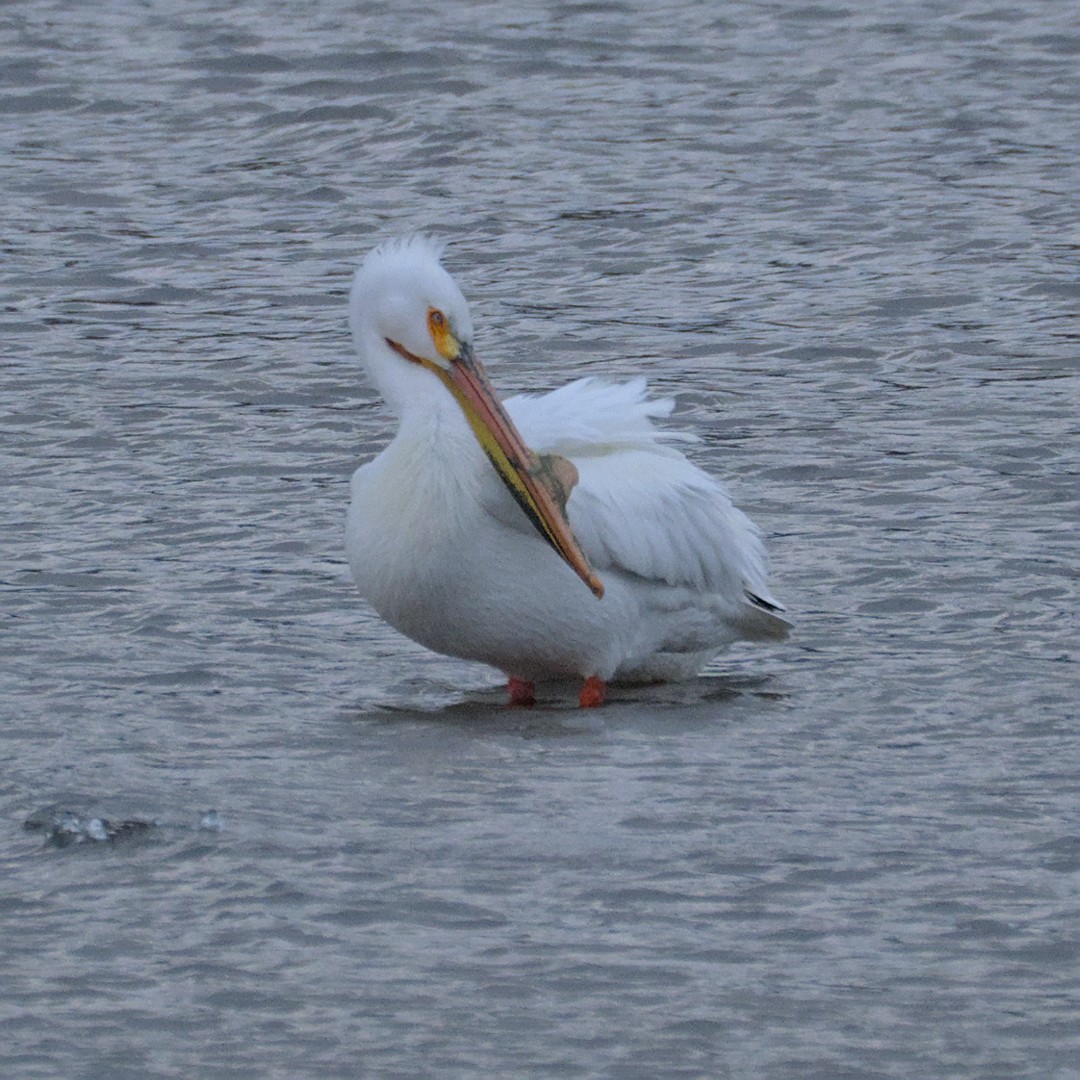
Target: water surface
(847,237)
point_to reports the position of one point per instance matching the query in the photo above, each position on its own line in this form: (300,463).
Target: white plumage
(438,536)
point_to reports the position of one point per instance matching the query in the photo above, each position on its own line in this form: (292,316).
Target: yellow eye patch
(442,335)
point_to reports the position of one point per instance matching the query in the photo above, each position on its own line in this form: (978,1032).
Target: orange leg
(592,693)
(521,692)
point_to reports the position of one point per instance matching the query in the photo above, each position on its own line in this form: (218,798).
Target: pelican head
(404,306)
(412,328)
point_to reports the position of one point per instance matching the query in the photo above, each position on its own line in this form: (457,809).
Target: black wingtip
(760,602)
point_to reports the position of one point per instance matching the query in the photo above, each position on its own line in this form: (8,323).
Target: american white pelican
(552,535)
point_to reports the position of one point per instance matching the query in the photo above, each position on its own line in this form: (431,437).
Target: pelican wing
(640,507)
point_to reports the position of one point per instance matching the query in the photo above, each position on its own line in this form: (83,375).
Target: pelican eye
(441,334)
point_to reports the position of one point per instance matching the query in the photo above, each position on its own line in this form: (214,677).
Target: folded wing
(640,506)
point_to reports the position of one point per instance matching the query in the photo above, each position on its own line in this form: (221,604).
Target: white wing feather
(640,506)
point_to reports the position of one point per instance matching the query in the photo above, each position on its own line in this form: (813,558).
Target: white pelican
(600,553)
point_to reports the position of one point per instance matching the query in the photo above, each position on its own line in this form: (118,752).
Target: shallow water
(848,238)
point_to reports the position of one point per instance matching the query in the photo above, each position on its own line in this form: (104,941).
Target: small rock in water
(64,827)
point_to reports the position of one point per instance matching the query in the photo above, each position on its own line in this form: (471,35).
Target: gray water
(847,236)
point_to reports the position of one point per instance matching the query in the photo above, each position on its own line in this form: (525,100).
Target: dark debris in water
(64,827)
